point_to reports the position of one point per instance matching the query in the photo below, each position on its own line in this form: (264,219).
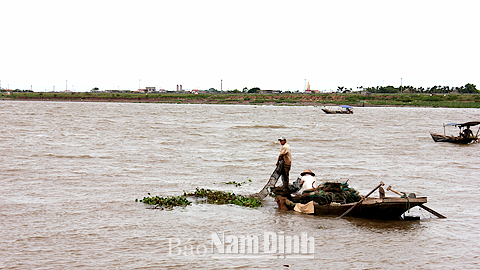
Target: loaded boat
(374,208)
(465,134)
(338,199)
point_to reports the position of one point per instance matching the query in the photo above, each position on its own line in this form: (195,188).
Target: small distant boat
(342,109)
(465,135)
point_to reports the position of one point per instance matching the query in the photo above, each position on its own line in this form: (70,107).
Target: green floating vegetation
(212,196)
(236,184)
(221,197)
(168,202)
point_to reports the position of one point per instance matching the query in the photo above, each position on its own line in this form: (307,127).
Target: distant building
(309,91)
(150,89)
(365,93)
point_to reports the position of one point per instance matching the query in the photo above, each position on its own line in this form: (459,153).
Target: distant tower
(308,86)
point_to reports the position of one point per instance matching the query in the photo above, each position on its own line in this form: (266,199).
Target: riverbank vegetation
(365,99)
(437,89)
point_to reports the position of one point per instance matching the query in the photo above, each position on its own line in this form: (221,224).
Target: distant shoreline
(333,99)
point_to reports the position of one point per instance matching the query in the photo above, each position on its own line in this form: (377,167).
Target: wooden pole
(432,211)
(359,202)
(389,188)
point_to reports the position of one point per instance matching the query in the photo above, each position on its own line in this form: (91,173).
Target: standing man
(286,156)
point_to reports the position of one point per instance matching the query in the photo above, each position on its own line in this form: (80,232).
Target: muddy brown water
(70,173)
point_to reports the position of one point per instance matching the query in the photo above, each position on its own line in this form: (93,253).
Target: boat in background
(342,109)
(465,133)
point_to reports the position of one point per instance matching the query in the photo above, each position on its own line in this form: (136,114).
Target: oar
(359,202)
(432,211)
(421,205)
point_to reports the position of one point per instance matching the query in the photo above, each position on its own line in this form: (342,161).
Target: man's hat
(307,171)
(282,139)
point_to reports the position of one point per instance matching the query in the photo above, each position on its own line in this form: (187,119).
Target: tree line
(467,89)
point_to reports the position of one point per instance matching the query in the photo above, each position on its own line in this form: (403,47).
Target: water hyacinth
(212,196)
(221,197)
(236,183)
(168,202)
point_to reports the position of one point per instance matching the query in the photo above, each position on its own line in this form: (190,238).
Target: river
(70,173)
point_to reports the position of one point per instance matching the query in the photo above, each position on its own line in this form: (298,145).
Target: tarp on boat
(346,106)
(469,124)
(466,124)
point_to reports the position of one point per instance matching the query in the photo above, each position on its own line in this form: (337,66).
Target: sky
(228,44)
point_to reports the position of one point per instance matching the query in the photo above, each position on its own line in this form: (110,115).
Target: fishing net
(271,182)
(329,192)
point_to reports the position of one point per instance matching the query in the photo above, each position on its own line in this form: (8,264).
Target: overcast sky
(274,45)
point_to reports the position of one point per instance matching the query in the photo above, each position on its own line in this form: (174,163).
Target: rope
(408,201)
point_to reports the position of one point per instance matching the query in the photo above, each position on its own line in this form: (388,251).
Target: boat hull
(327,111)
(387,208)
(451,139)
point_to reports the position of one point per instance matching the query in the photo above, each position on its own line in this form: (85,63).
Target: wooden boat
(451,139)
(342,200)
(465,135)
(337,199)
(387,208)
(343,109)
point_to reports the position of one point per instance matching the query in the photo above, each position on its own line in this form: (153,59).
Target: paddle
(432,211)
(359,202)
